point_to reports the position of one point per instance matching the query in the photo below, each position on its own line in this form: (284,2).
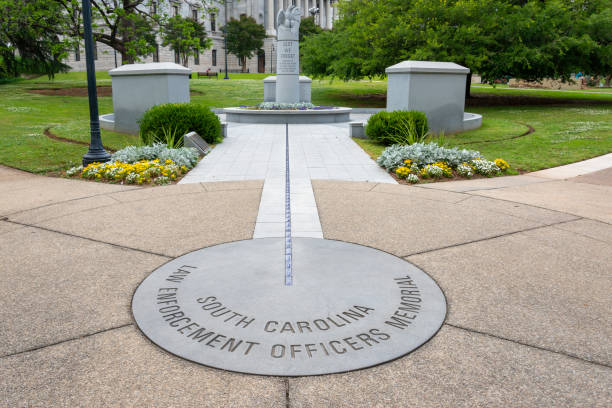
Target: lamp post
(96,151)
(225,39)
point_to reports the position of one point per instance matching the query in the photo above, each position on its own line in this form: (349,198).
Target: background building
(213,59)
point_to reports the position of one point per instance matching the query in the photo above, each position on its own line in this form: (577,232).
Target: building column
(323,13)
(270,18)
(328,13)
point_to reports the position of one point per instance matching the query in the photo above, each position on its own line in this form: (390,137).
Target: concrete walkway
(524,262)
(311,152)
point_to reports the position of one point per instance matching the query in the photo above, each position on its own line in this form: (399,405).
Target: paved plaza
(524,262)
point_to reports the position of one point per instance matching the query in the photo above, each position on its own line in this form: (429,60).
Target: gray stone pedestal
(138,87)
(436,88)
(305,84)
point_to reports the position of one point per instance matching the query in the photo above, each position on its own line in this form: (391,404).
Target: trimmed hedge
(397,127)
(179,119)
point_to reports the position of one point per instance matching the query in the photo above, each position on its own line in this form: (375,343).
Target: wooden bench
(208,74)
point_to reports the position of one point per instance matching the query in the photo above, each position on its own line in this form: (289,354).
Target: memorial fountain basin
(282,116)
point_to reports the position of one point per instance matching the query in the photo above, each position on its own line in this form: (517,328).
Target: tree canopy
(496,38)
(244,37)
(30,38)
(185,36)
(308,27)
(128,26)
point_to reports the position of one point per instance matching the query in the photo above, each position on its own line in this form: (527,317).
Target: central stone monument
(288,57)
(288,94)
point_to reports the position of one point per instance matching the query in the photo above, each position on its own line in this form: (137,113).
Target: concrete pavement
(524,262)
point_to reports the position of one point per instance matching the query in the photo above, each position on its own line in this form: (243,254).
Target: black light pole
(96,151)
(225,40)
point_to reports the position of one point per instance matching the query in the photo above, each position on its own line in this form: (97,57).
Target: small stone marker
(348,307)
(357,129)
(192,139)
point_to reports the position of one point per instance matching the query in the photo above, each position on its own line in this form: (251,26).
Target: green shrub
(397,127)
(169,122)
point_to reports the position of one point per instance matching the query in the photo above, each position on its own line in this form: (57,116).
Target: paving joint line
(288,242)
(73,213)
(66,340)
(89,239)
(470,193)
(581,234)
(463,200)
(72,199)
(373,187)
(287,392)
(528,345)
(426,251)
(487,188)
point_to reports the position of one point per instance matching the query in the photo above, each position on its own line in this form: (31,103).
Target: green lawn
(593,94)
(563,133)
(24,117)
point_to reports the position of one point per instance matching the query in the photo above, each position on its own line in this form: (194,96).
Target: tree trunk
(126,37)
(243,64)
(126,59)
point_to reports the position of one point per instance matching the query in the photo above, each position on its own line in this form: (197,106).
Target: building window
(77,53)
(196,58)
(214,58)
(176,10)
(156,53)
(95,49)
(194,14)
(154,7)
(213,23)
(177,57)
(239,62)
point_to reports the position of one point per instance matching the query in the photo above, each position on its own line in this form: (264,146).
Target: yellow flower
(402,172)
(502,164)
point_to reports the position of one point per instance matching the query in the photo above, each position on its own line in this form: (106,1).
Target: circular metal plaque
(348,307)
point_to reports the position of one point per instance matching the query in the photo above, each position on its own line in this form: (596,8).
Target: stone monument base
(270,89)
(244,115)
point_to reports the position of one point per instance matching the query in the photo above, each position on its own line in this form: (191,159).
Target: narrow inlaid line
(288,244)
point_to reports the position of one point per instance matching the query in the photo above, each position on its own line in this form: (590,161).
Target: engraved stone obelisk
(288,57)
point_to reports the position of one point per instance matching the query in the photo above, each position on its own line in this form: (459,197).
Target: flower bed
(422,161)
(155,164)
(288,106)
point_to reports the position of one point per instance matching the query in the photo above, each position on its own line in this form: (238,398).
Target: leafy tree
(30,38)
(185,36)
(525,39)
(308,27)
(128,26)
(244,38)
(598,26)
